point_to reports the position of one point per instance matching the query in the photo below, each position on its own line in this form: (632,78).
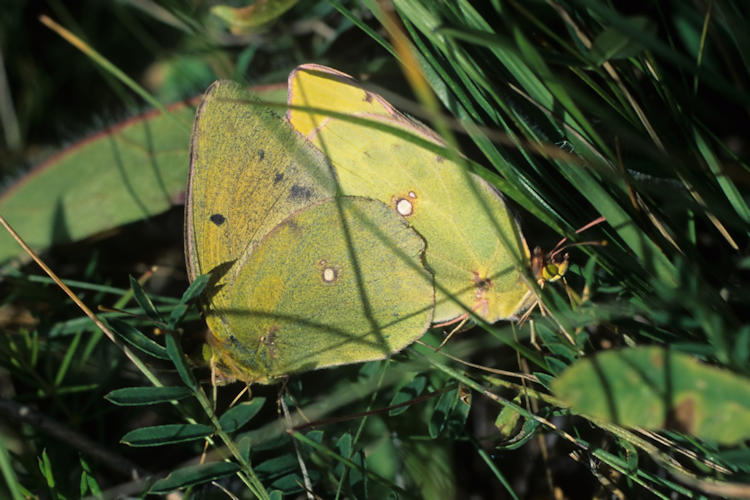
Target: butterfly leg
(461,320)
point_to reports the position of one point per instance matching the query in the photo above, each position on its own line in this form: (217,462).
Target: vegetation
(629,380)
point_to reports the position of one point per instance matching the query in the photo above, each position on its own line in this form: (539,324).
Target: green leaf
(249,19)
(88,481)
(134,170)
(528,431)
(445,405)
(244,445)
(137,339)
(407,392)
(240,414)
(738,459)
(544,378)
(358,476)
(159,435)
(193,475)
(655,388)
(288,484)
(192,293)
(509,420)
(137,396)
(555,365)
(143,300)
(344,447)
(314,436)
(552,341)
(277,466)
(174,350)
(45,467)
(614,44)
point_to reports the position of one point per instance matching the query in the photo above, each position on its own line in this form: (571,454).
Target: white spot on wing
(329,275)
(404,207)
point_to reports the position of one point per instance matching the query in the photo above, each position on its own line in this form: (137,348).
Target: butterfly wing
(474,246)
(337,282)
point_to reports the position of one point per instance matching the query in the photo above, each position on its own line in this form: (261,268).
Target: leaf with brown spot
(657,388)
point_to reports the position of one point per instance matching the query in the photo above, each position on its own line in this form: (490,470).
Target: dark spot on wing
(261,154)
(278,177)
(368,97)
(298,192)
(217,219)
(482,284)
(269,340)
(439,159)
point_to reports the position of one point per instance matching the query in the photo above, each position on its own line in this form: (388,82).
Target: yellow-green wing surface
(337,282)
(248,172)
(474,246)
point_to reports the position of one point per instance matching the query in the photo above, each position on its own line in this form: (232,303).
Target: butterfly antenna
(561,244)
(556,251)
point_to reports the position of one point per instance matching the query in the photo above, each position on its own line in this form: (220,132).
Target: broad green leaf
(192,475)
(655,388)
(160,435)
(136,396)
(133,170)
(129,171)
